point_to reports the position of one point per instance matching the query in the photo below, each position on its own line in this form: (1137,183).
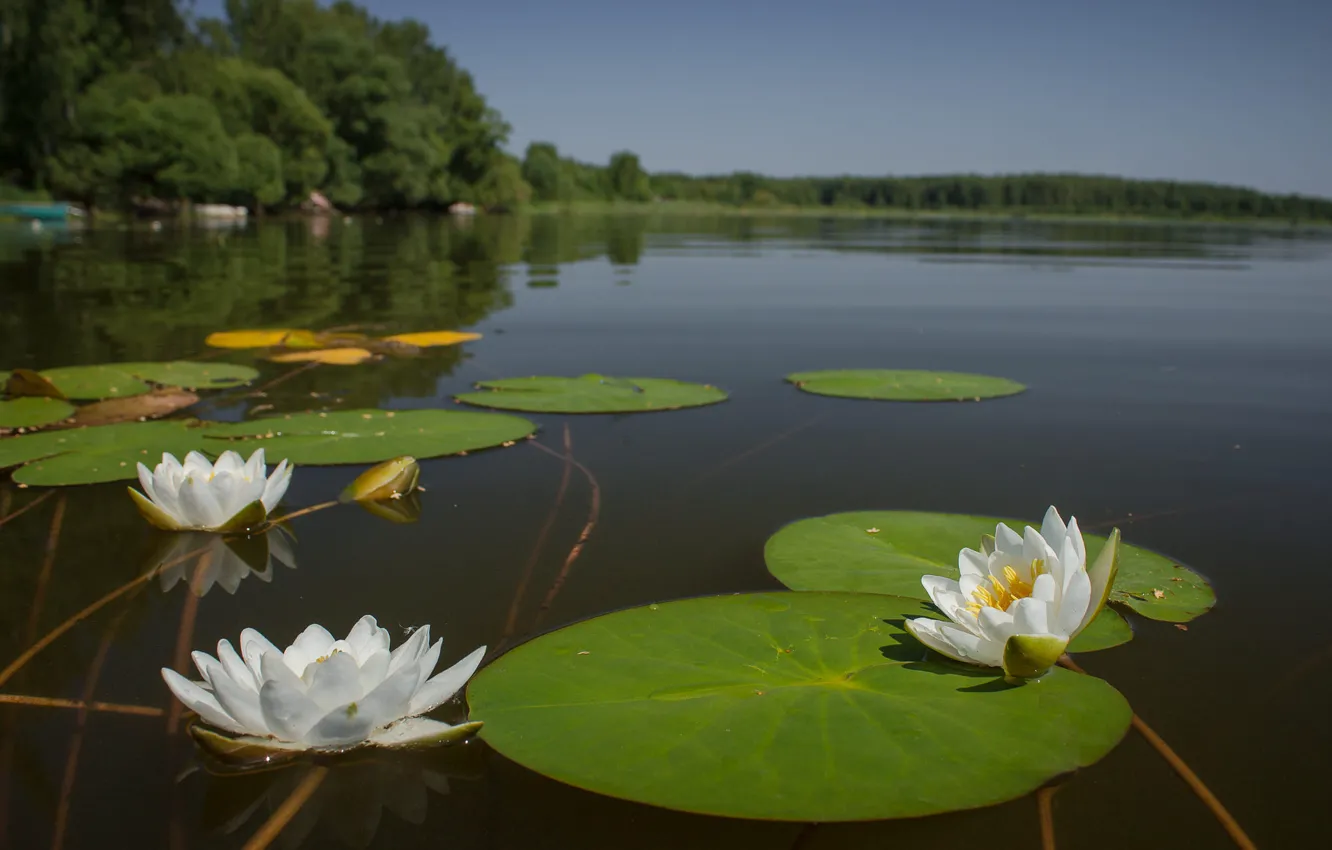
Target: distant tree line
(113,103)
(104,102)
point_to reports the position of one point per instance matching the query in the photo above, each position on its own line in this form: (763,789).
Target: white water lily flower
(230,495)
(1017,604)
(322,693)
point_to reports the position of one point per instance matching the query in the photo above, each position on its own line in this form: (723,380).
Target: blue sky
(1225,90)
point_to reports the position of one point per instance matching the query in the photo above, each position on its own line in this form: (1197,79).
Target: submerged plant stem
(285,812)
(29,506)
(1045,806)
(189,611)
(763,446)
(108,707)
(29,653)
(1210,800)
(76,743)
(593,514)
(511,623)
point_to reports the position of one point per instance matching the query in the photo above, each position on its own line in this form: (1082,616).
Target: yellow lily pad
(428,339)
(330,356)
(247,339)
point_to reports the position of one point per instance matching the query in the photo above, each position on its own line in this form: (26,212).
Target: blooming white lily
(230,495)
(1019,602)
(322,693)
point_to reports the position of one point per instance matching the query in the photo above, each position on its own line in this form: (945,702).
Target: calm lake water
(1180,387)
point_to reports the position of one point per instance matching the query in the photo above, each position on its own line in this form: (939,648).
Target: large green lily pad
(95,455)
(117,380)
(888,552)
(904,384)
(369,436)
(34,411)
(592,394)
(785,706)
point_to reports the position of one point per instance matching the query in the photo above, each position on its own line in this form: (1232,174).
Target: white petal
(427,663)
(1073,604)
(439,689)
(229,491)
(349,724)
(1006,540)
(409,730)
(1030,617)
(230,463)
(314,642)
(209,667)
(255,468)
(1034,547)
(1053,529)
(995,626)
(366,638)
(200,701)
(196,463)
(254,647)
(146,481)
(334,681)
(276,486)
(235,666)
(288,712)
(932,633)
(164,488)
(971,562)
(1044,588)
(240,701)
(1075,534)
(1070,563)
(198,505)
(946,595)
(373,670)
(410,651)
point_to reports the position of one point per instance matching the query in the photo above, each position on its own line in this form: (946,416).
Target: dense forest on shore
(117,104)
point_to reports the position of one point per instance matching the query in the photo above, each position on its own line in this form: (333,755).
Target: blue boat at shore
(41,211)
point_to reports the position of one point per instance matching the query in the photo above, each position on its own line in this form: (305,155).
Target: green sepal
(247,519)
(153,513)
(987,544)
(1032,656)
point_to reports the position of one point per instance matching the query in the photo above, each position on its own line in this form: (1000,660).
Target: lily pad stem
(1045,805)
(285,812)
(593,514)
(1228,822)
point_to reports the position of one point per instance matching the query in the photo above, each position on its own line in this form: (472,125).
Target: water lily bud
(391,479)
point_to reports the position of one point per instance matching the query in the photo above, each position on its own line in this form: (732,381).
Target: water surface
(1178,389)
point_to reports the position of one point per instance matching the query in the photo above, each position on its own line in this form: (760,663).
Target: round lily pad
(785,706)
(368,436)
(117,380)
(904,385)
(889,551)
(592,394)
(94,455)
(31,412)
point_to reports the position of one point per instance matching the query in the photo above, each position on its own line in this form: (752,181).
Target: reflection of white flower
(230,495)
(323,693)
(223,561)
(349,803)
(1019,603)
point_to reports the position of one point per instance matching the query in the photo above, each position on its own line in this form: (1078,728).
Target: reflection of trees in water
(139,294)
(134,294)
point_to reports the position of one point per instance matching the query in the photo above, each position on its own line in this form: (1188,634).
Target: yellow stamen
(1003,594)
